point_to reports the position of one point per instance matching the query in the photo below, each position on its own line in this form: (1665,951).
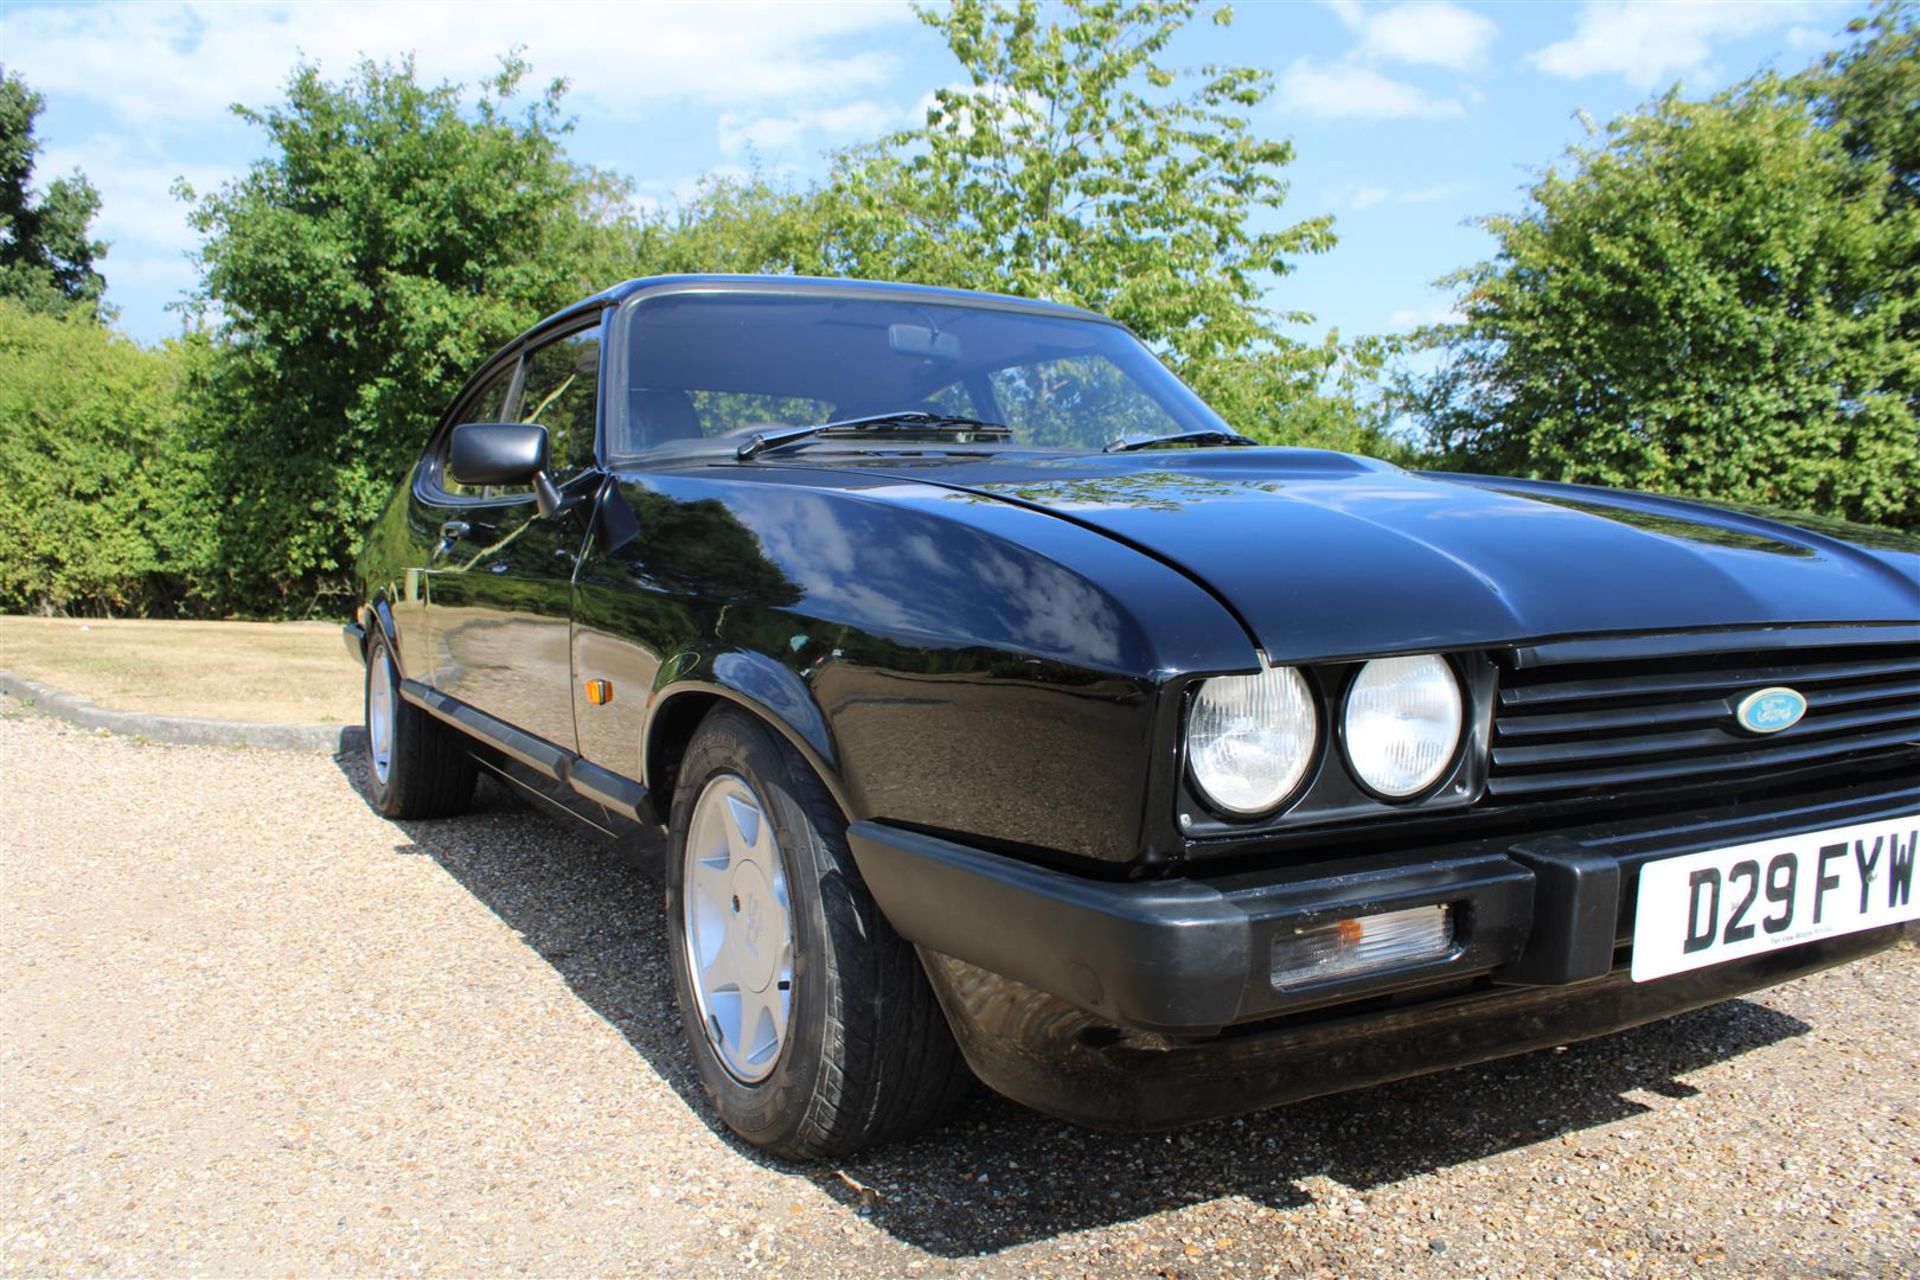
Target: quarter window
(562,393)
(488,404)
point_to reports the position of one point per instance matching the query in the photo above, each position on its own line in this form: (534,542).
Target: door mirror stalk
(547,495)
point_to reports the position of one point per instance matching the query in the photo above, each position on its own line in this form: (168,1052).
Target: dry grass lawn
(293,672)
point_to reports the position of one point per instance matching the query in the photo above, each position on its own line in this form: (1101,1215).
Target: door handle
(450,532)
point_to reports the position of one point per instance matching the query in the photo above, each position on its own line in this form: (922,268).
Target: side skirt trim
(602,786)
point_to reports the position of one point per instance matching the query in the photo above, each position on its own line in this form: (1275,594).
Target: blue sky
(1409,119)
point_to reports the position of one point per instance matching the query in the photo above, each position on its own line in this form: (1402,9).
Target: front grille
(1629,715)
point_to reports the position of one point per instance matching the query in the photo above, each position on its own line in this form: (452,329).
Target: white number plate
(1702,908)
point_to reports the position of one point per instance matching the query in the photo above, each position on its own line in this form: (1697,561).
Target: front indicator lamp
(1392,939)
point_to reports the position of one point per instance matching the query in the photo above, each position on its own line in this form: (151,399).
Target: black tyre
(416,766)
(810,1020)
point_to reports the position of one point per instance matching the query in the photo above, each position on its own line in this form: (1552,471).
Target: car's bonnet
(1326,555)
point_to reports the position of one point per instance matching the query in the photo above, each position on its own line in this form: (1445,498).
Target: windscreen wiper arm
(906,421)
(1127,444)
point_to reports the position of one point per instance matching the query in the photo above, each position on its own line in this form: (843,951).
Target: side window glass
(562,394)
(488,404)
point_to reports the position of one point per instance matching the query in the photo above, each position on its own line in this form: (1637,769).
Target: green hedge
(103,505)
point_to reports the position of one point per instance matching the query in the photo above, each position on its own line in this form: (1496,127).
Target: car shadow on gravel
(997,1175)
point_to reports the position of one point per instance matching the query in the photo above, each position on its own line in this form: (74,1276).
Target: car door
(433,501)
(500,586)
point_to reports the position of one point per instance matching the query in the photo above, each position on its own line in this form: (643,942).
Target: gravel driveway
(250,1027)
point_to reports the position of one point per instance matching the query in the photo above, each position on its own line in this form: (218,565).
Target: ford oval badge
(1770,710)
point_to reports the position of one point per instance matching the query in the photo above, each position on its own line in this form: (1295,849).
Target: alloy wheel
(380,713)
(739,928)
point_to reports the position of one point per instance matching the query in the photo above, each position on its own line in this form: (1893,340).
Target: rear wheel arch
(417,767)
(377,615)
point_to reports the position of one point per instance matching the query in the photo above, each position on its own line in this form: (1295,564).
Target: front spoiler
(1047,1055)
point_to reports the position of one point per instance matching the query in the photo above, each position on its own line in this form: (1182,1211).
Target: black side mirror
(506,453)
(497,453)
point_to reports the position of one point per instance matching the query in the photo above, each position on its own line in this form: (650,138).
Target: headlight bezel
(1447,767)
(1330,796)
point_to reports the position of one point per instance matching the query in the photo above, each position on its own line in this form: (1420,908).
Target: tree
(391,239)
(46,257)
(1076,165)
(748,225)
(1705,300)
(1869,93)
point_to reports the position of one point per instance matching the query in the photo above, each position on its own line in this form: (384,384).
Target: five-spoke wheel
(739,931)
(810,1020)
(416,766)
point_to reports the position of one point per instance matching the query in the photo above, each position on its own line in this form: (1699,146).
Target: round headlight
(1251,738)
(1403,723)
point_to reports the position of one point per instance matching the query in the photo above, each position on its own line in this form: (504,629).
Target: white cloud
(1346,90)
(1649,45)
(186,60)
(144,226)
(1437,192)
(137,206)
(740,130)
(1348,11)
(1435,34)
(1359,197)
(1808,40)
(1438,35)
(1415,317)
(659,195)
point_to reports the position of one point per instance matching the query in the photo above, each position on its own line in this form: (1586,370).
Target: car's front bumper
(1152,1003)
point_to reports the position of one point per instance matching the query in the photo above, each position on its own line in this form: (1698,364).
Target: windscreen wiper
(1127,444)
(905,421)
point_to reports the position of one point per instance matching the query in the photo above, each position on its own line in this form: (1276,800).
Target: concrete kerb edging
(185,730)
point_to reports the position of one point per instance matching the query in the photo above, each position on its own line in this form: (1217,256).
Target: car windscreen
(715,365)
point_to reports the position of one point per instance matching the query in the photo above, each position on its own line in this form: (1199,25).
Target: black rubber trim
(536,753)
(1766,640)
(602,786)
(1578,889)
(1178,955)
(623,795)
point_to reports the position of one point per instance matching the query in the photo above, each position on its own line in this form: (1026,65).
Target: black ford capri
(1010,716)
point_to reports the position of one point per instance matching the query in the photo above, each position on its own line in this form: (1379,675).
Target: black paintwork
(992,645)
(993,641)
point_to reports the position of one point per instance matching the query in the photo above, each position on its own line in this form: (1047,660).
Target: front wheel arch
(677,715)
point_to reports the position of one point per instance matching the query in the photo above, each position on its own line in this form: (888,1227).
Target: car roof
(816,287)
